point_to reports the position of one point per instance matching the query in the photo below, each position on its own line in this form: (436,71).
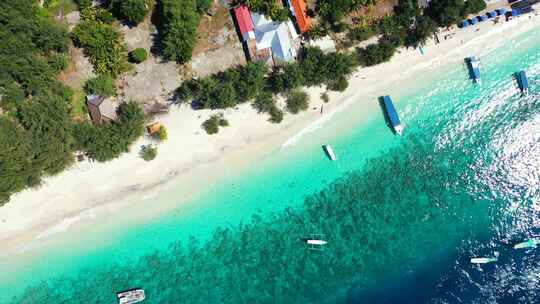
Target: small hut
(101,109)
(153,128)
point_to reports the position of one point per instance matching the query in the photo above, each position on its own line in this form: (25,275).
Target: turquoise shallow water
(464,177)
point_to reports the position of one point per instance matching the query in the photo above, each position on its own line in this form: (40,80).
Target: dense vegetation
(333,11)
(251,82)
(102,43)
(138,55)
(108,141)
(225,89)
(297,101)
(84,3)
(409,26)
(179,21)
(161,134)
(102,85)
(35,131)
(148,153)
(212,124)
(37,134)
(134,11)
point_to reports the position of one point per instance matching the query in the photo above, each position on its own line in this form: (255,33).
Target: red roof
(243,16)
(300,12)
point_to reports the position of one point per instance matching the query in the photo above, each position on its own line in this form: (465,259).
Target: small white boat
(329,152)
(131,296)
(483,260)
(532,243)
(316,242)
(486,260)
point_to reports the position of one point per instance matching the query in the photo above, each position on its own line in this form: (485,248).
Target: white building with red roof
(266,40)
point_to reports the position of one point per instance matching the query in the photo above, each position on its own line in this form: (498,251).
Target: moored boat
(131,296)
(316,242)
(329,152)
(522,82)
(532,243)
(392,114)
(483,260)
(486,260)
(474,68)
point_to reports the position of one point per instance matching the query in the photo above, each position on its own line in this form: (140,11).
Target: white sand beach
(90,190)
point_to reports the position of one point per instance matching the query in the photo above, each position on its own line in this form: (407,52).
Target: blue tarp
(473,21)
(464,23)
(501,11)
(492,14)
(515,12)
(482,18)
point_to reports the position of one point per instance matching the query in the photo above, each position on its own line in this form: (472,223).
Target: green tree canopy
(148,153)
(102,85)
(333,11)
(103,44)
(107,141)
(225,89)
(179,29)
(297,101)
(376,53)
(212,124)
(36,139)
(16,165)
(134,10)
(446,12)
(474,6)
(138,55)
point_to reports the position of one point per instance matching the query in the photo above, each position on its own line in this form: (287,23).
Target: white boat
(486,260)
(392,114)
(483,260)
(131,296)
(329,152)
(532,243)
(317,242)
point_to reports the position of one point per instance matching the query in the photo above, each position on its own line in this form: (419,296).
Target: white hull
(131,296)
(399,129)
(316,242)
(482,260)
(328,149)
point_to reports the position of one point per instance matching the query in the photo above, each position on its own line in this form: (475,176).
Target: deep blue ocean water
(402,215)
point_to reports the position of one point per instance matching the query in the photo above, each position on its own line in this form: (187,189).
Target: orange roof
(300,12)
(153,128)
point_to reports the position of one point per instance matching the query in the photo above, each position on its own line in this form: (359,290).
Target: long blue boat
(474,69)
(522,82)
(392,114)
